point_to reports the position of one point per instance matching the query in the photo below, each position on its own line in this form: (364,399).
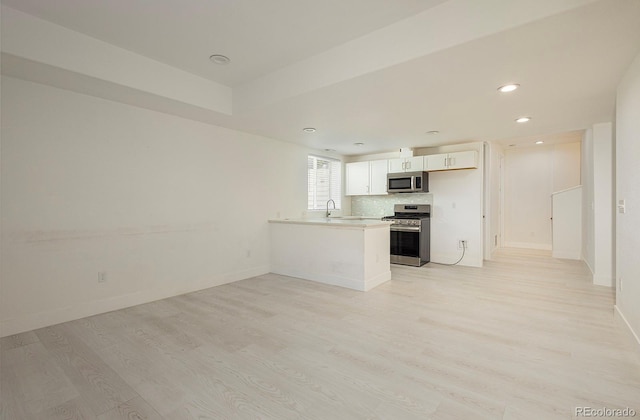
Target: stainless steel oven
(410,234)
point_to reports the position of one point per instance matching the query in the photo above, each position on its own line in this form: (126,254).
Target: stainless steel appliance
(408,182)
(410,234)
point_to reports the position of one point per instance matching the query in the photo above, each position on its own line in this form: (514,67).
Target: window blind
(324,182)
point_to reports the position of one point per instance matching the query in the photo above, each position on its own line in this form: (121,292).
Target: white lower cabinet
(366,178)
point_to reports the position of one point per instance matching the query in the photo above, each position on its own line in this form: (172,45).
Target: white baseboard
(588,266)
(527,245)
(44,319)
(598,280)
(633,333)
(566,255)
(377,280)
(603,281)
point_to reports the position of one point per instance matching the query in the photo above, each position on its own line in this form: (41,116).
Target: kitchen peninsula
(347,252)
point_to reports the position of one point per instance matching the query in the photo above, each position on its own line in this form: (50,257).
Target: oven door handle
(405,228)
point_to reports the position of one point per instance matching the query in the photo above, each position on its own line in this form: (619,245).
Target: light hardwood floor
(525,337)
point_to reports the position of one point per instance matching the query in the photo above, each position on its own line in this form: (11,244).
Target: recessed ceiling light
(432,132)
(358,144)
(508,88)
(220,59)
(539,142)
(309,130)
(523,119)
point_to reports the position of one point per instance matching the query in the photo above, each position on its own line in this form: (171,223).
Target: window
(324,177)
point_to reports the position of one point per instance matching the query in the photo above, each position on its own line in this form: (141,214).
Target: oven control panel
(406,222)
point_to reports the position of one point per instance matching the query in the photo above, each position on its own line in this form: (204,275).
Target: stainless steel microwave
(408,182)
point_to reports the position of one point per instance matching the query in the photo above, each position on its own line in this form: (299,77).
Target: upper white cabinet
(378,175)
(409,164)
(357,178)
(366,178)
(435,162)
(370,177)
(448,161)
(463,160)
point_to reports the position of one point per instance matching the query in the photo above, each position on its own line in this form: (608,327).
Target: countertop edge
(336,223)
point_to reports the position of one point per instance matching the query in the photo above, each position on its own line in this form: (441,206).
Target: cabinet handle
(445,162)
(408,165)
(403,163)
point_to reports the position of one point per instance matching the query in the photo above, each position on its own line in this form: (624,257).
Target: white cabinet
(378,174)
(357,178)
(463,160)
(449,161)
(435,162)
(410,164)
(366,178)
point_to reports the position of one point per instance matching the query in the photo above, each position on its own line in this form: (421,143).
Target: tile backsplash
(382,205)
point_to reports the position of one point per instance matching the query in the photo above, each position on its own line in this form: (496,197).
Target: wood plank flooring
(525,337)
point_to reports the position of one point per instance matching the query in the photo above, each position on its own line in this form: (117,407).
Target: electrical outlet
(102,276)
(462,244)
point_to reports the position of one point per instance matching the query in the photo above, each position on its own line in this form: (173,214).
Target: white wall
(162,204)
(532,174)
(628,189)
(603,204)
(597,203)
(566,165)
(588,233)
(493,232)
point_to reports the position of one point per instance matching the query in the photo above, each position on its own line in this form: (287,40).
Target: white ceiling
(260,36)
(338,65)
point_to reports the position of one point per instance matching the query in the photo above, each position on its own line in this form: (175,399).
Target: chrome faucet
(334,206)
